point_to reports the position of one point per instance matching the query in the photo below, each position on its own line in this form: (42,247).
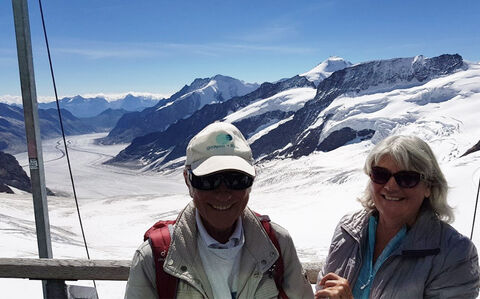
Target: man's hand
(334,287)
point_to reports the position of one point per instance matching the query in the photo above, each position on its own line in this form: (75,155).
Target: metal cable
(63,136)
(475,211)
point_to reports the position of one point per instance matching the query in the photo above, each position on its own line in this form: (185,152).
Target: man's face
(219,208)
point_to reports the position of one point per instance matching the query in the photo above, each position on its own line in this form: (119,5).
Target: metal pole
(30,110)
(34,143)
(475,211)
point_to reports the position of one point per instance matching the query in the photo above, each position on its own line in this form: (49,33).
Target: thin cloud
(8,57)
(100,50)
(269,48)
(107,53)
(269,34)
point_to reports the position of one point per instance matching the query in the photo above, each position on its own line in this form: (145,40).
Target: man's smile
(221,207)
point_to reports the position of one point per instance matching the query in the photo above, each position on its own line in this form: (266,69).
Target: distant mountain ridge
(89,107)
(181,105)
(12,125)
(166,146)
(280,132)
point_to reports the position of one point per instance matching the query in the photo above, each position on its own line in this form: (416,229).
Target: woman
(400,245)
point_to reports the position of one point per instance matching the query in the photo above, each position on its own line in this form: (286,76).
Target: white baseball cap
(219,146)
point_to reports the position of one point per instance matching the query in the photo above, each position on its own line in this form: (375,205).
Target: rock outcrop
(12,174)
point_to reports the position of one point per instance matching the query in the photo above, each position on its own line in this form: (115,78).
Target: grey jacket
(183,261)
(433,261)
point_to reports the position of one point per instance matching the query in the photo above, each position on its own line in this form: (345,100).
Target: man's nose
(222,192)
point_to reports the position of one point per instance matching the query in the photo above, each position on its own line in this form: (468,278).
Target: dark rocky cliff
(12,174)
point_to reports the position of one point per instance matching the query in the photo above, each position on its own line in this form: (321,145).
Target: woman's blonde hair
(412,153)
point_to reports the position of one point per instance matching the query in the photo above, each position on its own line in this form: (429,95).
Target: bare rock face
(473,149)
(12,174)
(5,189)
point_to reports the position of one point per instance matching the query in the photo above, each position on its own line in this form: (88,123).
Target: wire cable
(475,211)
(63,136)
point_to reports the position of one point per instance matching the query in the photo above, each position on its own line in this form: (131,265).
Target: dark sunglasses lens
(237,180)
(205,182)
(404,179)
(380,175)
(233,180)
(407,179)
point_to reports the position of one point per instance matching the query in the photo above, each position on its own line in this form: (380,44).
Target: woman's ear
(428,191)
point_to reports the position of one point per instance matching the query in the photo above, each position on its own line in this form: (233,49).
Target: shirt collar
(235,239)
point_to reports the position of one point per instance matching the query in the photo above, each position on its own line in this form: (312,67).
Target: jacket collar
(422,239)
(258,252)
(424,236)
(356,224)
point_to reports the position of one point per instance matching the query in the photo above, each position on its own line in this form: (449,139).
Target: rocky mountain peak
(326,68)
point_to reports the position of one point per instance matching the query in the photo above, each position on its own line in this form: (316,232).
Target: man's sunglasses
(404,179)
(232,179)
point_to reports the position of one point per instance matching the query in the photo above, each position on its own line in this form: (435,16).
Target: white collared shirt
(221,262)
(235,239)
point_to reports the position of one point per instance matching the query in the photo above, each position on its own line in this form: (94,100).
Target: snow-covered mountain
(159,148)
(305,132)
(179,106)
(292,118)
(326,68)
(90,107)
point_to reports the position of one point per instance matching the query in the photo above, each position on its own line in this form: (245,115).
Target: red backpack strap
(159,239)
(277,268)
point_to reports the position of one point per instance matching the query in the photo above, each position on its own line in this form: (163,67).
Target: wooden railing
(64,269)
(75,269)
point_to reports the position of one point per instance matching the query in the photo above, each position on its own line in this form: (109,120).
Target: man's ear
(185,175)
(187,182)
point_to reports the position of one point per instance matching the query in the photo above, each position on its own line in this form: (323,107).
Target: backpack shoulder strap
(277,268)
(159,239)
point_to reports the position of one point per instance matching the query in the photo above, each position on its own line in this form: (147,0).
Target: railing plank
(80,269)
(312,270)
(64,269)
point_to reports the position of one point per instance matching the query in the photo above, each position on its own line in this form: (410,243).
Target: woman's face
(395,204)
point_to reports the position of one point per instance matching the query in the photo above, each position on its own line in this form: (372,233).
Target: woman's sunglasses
(404,179)
(232,179)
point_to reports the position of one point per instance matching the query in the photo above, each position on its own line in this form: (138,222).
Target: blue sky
(158,46)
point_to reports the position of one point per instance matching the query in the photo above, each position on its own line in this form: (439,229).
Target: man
(219,248)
